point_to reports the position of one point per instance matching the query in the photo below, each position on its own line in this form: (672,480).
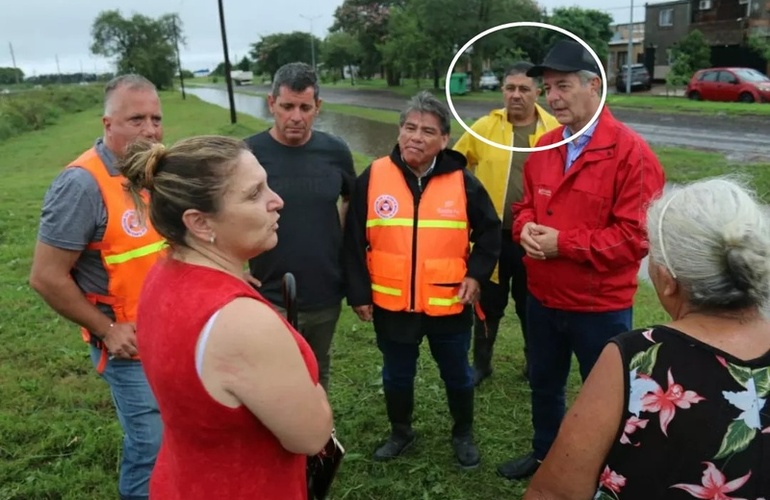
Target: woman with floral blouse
(681,410)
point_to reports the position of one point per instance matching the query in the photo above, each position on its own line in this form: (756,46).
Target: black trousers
(512,280)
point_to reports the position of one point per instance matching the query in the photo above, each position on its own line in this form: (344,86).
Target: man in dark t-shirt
(313,172)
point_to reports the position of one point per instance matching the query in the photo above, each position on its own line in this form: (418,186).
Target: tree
(690,54)
(760,45)
(407,49)
(424,35)
(340,50)
(592,26)
(219,70)
(273,51)
(697,49)
(367,20)
(244,64)
(139,44)
(679,73)
(11,75)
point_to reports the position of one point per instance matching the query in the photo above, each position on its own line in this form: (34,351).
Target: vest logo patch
(131,224)
(385,206)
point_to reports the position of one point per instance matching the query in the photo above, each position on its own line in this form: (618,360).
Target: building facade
(664,25)
(618,48)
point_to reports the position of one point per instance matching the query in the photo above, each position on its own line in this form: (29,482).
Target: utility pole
(178,59)
(228,79)
(13,59)
(58,69)
(312,41)
(630,49)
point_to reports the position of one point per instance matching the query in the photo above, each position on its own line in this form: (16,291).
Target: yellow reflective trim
(435,301)
(445,224)
(429,223)
(389,222)
(135,253)
(386,290)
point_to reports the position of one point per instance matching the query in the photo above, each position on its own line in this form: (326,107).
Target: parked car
(729,84)
(640,78)
(489,81)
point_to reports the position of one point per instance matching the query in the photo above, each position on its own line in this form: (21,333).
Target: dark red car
(729,84)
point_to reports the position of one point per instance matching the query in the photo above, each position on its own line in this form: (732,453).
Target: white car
(489,81)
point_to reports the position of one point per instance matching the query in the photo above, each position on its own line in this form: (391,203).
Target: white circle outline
(522,25)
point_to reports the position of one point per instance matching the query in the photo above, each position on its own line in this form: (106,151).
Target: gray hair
(131,81)
(713,236)
(297,76)
(586,76)
(425,102)
(521,68)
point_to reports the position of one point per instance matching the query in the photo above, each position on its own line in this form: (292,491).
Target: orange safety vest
(128,249)
(416,259)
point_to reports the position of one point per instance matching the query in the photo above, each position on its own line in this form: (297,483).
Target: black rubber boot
(484,336)
(399,405)
(461,407)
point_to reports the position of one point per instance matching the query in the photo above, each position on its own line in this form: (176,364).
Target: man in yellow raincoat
(520,124)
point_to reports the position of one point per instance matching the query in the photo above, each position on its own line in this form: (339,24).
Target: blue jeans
(139,416)
(553,336)
(449,350)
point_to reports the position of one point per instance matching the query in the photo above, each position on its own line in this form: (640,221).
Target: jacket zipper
(412,285)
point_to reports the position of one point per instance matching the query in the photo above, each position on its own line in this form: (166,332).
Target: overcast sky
(42,30)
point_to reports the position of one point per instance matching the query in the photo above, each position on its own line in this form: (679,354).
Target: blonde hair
(192,174)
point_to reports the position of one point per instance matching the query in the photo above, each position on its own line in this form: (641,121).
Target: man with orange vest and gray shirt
(411,269)
(90,261)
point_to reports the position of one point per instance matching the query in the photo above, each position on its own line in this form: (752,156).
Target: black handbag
(322,467)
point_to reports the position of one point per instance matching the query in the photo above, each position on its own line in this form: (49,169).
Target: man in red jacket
(581,223)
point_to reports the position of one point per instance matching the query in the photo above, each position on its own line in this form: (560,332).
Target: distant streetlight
(312,42)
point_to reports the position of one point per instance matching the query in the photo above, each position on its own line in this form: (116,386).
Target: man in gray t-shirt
(65,269)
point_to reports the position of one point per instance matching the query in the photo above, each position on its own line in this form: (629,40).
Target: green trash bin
(458,83)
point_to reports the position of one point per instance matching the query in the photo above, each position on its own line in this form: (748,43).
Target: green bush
(37,108)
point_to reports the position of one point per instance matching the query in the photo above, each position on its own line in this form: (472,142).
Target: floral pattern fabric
(696,422)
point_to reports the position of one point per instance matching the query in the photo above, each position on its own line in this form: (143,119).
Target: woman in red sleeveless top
(237,386)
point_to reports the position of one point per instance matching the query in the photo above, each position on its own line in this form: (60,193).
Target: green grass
(679,104)
(59,438)
(657,103)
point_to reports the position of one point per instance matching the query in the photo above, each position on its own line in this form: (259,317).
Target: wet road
(743,139)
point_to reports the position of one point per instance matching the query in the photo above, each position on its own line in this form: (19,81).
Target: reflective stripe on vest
(135,254)
(128,248)
(420,223)
(416,261)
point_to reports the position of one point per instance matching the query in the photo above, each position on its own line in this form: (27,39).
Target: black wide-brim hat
(566,56)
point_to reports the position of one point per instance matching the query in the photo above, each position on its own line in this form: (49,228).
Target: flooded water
(364,136)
